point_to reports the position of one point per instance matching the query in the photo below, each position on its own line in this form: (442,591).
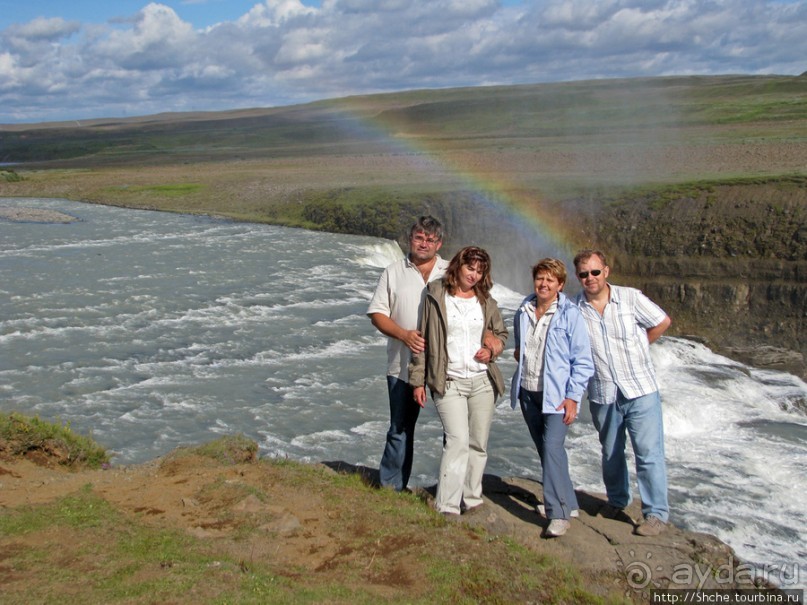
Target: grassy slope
(84,547)
(534,142)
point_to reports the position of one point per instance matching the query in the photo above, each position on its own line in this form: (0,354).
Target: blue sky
(201,13)
(77,59)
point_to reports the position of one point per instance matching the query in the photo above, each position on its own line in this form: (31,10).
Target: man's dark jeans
(396,462)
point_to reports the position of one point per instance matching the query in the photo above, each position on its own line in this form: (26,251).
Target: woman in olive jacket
(461,373)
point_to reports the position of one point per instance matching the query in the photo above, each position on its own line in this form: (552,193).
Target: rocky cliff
(728,261)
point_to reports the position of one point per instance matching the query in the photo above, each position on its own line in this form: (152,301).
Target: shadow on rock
(368,475)
(597,545)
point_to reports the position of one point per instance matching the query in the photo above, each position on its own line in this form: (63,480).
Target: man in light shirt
(623,393)
(395,311)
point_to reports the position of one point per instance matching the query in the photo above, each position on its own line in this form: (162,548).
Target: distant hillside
(553,114)
(695,186)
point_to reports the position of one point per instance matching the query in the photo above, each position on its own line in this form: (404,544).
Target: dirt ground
(300,532)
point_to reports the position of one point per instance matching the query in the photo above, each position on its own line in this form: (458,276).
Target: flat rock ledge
(35,215)
(608,548)
(768,357)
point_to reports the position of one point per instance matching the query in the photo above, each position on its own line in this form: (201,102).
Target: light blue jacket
(568,363)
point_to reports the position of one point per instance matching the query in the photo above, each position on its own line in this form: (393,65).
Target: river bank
(34,215)
(694,187)
(146,350)
(727,260)
(317,524)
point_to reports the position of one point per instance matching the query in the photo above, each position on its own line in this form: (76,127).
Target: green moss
(230,449)
(24,434)
(10,176)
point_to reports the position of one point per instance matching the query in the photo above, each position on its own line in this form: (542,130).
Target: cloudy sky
(75,59)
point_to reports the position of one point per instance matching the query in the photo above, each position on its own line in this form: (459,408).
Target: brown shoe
(609,511)
(652,526)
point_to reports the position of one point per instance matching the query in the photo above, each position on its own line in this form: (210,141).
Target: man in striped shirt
(623,393)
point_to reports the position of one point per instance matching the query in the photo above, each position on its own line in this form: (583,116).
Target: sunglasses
(584,274)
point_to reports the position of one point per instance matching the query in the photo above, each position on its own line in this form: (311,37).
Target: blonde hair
(552,266)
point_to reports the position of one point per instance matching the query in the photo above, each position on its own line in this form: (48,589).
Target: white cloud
(282,51)
(158,39)
(274,13)
(43,29)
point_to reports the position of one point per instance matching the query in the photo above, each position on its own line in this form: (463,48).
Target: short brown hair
(468,256)
(584,255)
(428,225)
(550,265)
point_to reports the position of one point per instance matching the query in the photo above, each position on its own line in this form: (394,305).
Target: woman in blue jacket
(554,364)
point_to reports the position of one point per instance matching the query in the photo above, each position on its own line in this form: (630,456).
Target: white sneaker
(541,510)
(557,527)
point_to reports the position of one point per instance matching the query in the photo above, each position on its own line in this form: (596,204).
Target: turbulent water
(151,330)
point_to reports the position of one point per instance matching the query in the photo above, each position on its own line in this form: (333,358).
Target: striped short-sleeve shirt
(619,344)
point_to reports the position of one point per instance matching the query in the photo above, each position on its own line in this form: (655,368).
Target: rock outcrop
(728,262)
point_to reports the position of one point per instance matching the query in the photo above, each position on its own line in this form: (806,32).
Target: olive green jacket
(431,366)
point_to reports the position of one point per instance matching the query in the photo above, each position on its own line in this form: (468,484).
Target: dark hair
(552,266)
(584,255)
(428,225)
(468,256)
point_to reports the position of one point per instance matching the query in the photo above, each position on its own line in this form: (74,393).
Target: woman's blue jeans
(548,432)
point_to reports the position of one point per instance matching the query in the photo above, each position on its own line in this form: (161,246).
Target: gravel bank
(34,215)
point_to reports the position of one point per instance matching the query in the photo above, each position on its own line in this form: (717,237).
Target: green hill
(738,108)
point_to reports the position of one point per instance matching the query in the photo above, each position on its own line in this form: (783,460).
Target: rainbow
(527,210)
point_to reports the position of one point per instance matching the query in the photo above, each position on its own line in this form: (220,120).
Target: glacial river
(150,330)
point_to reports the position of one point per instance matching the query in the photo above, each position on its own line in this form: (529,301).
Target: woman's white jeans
(466,411)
